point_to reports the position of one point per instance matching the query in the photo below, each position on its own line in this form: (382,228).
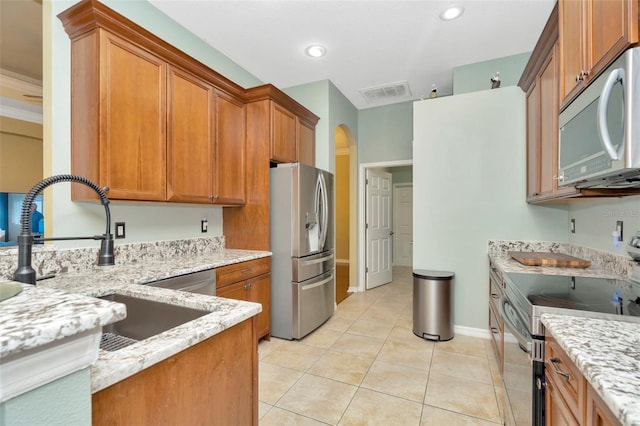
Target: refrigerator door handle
(318,260)
(323,210)
(318,284)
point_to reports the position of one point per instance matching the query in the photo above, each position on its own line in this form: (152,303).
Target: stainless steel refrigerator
(302,267)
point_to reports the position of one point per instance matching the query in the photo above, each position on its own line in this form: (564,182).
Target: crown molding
(20,110)
(20,83)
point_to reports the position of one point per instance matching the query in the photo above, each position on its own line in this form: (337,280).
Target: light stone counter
(607,352)
(603,264)
(64,305)
(608,355)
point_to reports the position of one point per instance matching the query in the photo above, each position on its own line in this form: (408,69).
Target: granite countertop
(65,305)
(606,351)
(507,264)
(608,355)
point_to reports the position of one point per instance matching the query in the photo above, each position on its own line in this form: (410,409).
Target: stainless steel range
(526,298)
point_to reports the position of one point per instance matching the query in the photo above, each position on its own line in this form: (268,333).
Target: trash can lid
(432,275)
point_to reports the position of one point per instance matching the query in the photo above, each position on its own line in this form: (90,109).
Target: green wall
(64,402)
(477,76)
(385,133)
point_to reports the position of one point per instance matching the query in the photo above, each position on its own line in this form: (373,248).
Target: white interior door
(378,228)
(403,225)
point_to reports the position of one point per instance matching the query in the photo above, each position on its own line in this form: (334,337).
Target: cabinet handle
(555,361)
(494,330)
(247,286)
(495,295)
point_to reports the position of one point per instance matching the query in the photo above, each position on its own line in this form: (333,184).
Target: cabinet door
(533,142)
(190,141)
(283,135)
(306,143)
(557,412)
(548,83)
(598,413)
(613,27)
(230,155)
(259,291)
(236,291)
(572,47)
(133,121)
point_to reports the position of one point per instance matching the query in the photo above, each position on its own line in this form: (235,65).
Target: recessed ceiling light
(451,12)
(316,50)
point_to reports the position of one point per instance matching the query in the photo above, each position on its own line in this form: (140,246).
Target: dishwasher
(202,282)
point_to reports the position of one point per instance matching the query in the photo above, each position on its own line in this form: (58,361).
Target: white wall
(469,187)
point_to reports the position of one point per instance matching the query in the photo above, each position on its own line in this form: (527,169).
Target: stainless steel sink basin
(145,318)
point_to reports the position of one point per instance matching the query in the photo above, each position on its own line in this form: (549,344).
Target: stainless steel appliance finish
(526,298)
(201,282)
(600,130)
(302,268)
(145,318)
(433,304)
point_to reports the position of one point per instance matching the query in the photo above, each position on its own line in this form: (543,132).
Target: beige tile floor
(366,367)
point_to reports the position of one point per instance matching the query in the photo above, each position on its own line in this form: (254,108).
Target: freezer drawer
(304,268)
(313,303)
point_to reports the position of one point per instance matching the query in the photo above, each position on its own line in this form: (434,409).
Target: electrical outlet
(204,225)
(572,227)
(120,230)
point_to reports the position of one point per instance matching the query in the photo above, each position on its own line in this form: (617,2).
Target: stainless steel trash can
(433,304)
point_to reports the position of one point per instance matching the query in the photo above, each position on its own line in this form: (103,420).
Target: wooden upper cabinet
(133,156)
(593,33)
(283,136)
(148,121)
(230,180)
(190,143)
(306,143)
(548,122)
(533,143)
(118,123)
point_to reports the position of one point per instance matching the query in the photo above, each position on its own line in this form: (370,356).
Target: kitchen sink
(145,318)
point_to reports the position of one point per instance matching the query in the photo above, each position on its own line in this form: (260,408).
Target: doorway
(345,188)
(368,249)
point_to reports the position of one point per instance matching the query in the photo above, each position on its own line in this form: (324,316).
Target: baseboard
(352,289)
(472,332)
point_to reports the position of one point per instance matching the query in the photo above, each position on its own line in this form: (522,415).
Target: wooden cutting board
(537,258)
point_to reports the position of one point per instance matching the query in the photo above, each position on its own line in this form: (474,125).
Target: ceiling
(369,43)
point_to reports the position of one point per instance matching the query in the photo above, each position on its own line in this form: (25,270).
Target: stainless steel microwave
(600,130)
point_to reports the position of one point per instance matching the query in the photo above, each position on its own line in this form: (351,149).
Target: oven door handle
(523,344)
(506,311)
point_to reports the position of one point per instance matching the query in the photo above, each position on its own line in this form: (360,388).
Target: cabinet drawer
(565,376)
(497,335)
(241,271)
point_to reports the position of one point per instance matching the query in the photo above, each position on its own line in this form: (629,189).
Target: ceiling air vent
(399,89)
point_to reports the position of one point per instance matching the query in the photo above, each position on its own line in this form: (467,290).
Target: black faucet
(25,272)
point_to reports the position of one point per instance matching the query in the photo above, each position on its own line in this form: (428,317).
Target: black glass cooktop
(609,296)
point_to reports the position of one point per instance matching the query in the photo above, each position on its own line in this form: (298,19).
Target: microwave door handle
(615,76)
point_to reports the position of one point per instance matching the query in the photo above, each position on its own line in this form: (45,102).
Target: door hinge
(366,269)
(366,226)
(366,181)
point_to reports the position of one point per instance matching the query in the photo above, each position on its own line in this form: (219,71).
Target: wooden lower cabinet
(214,382)
(250,281)
(569,398)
